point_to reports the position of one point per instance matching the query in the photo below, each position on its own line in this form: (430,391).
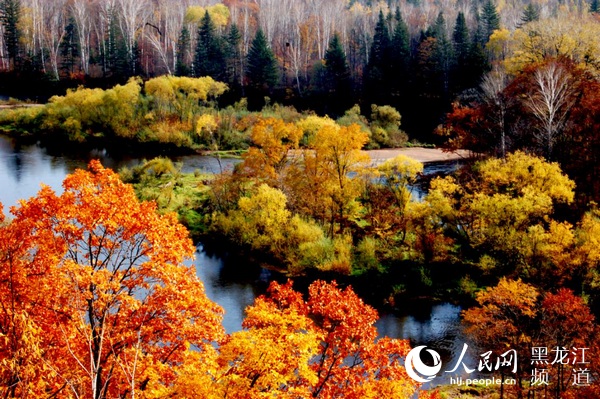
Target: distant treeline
(416,56)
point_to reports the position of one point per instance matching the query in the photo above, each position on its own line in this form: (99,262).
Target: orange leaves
(325,347)
(273,139)
(103,276)
(504,313)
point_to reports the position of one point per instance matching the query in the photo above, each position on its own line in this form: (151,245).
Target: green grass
(186,194)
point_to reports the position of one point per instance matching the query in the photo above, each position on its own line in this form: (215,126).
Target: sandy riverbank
(419,153)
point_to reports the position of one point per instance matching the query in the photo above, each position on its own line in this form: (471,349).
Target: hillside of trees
(417,56)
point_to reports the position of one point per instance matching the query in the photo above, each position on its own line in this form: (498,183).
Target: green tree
(337,77)
(442,52)
(210,59)
(460,38)
(69,47)
(595,7)
(489,20)
(532,13)
(233,56)
(378,67)
(400,56)
(10,14)
(461,73)
(261,66)
(182,67)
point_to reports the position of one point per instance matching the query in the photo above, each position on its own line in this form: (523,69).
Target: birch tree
(80,9)
(54,32)
(133,16)
(550,101)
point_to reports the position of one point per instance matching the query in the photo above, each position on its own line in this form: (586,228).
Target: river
(23,168)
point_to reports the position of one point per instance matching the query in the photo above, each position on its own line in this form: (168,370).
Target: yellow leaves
(499,43)
(206,124)
(324,347)
(522,174)
(401,168)
(570,36)
(311,124)
(266,209)
(219,14)
(504,212)
(180,94)
(272,356)
(398,174)
(273,139)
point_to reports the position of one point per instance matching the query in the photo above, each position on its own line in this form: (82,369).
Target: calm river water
(23,168)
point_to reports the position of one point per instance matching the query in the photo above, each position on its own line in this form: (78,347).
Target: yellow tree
(272,139)
(109,303)
(573,37)
(330,164)
(502,216)
(179,95)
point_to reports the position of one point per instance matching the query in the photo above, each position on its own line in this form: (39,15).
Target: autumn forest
(97,296)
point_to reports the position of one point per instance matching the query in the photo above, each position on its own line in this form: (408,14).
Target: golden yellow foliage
(504,213)
(180,95)
(575,37)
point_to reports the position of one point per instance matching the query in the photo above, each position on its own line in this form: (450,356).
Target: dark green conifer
(595,6)
(489,20)
(460,38)
(210,59)
(233,55)
(379,64)
(10,14)
(182,66)
(337,77)
(530,14)
(261,64)
(400,44)
(69,47)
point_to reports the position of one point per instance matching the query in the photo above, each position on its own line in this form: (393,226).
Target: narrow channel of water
(23,168)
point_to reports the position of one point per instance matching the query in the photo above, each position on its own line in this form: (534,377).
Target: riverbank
(421,154)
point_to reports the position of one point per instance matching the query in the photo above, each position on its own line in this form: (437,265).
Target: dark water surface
(233,285)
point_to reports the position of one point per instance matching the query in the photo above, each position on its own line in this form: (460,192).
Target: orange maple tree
(322,347)
(94,295)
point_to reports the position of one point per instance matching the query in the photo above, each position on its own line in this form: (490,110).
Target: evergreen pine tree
(379,64)
(182,66)
(10,13)
(400,44)
(489,20)
(461,44)
(69,47)
(337,77)
(210,60)
(442,54)
(595,6)
(460,39)
(233,55)
(400,61)
(531,13)
(261,65)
